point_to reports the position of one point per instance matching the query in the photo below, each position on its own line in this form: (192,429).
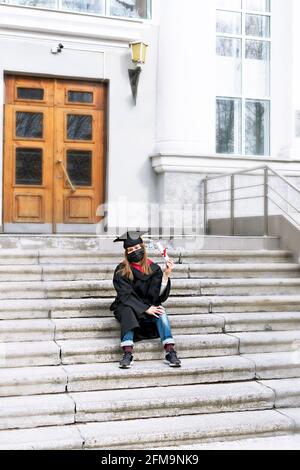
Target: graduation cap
(130,238)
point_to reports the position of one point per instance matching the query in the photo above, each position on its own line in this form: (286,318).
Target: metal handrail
(228,189)
(241,172)
(284,199)
(233,189)
(246,171)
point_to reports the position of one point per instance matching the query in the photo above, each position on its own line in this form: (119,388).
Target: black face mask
(136,256)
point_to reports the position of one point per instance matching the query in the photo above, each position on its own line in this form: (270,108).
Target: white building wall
(294,149)
(282,59)
(186,78)
(185,150)
(174,120)
(95,48)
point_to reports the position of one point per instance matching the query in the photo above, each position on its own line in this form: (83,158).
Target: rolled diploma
(163,251)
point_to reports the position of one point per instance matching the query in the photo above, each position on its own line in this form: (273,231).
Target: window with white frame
(243,77)
(121,8)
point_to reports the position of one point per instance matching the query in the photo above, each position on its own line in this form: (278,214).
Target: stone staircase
(235,314)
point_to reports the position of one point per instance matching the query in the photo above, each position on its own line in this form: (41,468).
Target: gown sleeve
(127,295)
(157,296)
(163,286)
(166,292)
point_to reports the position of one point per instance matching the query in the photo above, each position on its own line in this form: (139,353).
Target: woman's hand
(169,268)
(155,311)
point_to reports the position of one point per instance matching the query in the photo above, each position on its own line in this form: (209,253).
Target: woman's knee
(164,319)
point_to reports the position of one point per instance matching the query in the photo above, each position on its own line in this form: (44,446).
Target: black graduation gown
(135,297)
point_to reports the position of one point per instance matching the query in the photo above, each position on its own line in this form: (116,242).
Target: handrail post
(205,207)
(232,208)
(266,202)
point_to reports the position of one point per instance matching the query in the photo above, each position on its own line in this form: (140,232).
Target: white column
(186,78)
(294,151)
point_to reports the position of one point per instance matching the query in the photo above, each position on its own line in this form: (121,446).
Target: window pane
(29,125)
(258,25)
(86,6)
(131,8)
(30,93)
(228,22)
(80,96)
(79,127)
(229,69)
(29,166)
(257,68)
(257,127)
(229,4)
(228,131)
(79,167)
(257,5)
(35,3)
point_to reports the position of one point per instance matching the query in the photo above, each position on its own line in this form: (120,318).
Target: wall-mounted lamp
(138,57)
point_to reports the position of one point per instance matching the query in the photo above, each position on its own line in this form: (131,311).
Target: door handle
(73,189)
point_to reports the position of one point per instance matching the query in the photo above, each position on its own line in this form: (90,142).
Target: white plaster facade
(162,148)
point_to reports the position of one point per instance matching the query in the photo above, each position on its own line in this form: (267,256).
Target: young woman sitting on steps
(141,288)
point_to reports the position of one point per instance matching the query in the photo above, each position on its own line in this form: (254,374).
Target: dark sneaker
(126,361)
(172,359)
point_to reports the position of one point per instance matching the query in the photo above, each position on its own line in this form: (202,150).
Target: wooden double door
(54,154)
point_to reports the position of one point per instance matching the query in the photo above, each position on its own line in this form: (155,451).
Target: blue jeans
(164,329)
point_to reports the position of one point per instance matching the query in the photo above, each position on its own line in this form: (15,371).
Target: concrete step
(287,392)
(232,304)
(239,270)
(27,330)
(34,411)
(294,415)
(271,341)
(179,256)
(80,328)
(18,309)
(261,321)
(108,376)
(65,437)
(25,354)
(105,242)
(57,256)
(32,380)
(185,429)
(22,354)
(37,353)
(157,402)
(27,242)
(153,432)
(20,272)
(276,365)
(98,328)
(108,350)
(109,327)
(180,287)
(237,287)
(89,271)
(114,405)
(289,442)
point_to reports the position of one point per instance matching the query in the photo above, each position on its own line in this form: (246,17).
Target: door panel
(80,94)
(54,152)
(28,165)
(29,91)
(81,153)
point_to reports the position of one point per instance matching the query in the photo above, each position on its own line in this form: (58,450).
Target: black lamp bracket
(134,77)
